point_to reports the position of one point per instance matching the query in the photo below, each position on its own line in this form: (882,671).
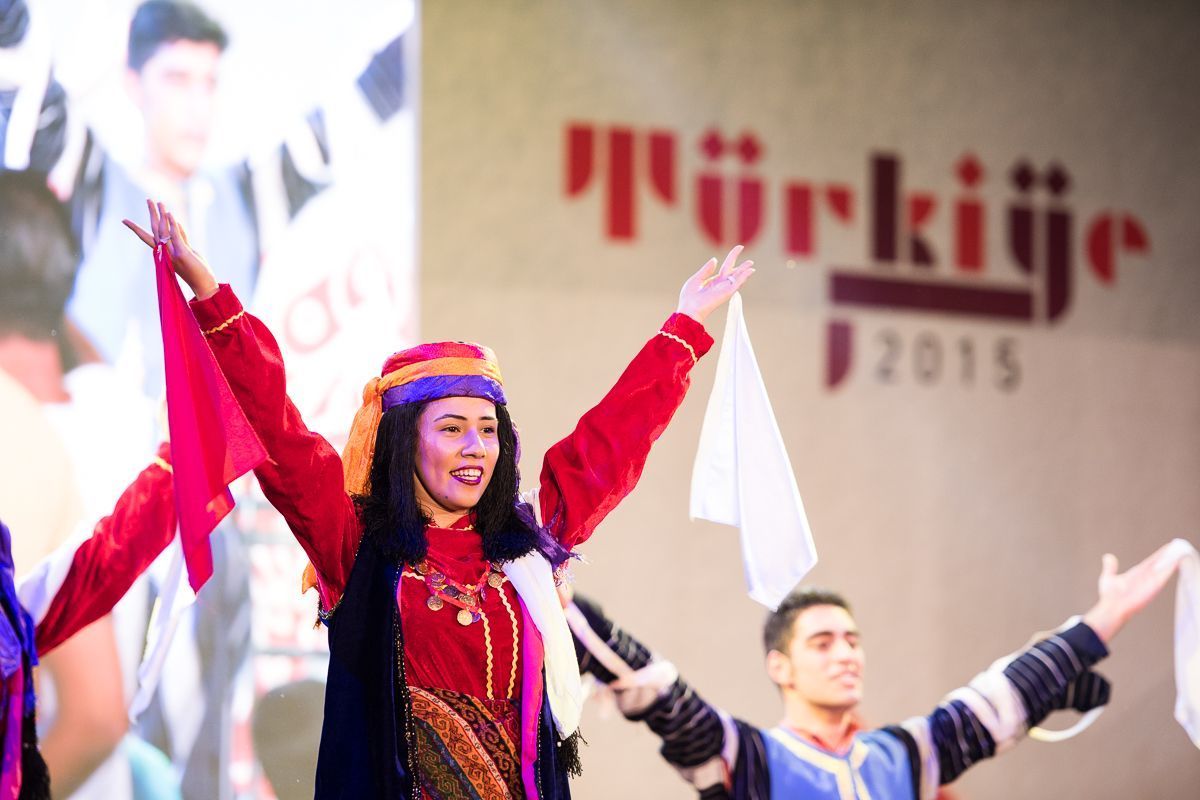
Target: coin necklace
(467,597)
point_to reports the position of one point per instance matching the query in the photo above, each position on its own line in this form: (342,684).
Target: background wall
(966,472)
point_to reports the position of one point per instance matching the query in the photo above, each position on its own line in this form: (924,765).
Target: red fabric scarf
(212,443)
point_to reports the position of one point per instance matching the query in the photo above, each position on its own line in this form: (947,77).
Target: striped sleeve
(995,710)
(1053,673)
(719,755)
(691,730)
(597,635)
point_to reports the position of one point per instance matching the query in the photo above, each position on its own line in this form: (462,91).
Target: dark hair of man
(393,518)
(38,257)
(777,632)
(159,22)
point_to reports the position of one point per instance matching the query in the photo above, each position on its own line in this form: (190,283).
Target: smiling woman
(452,673)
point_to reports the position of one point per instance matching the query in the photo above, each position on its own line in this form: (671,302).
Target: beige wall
(959,518)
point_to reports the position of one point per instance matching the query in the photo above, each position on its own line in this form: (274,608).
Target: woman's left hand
(710,288)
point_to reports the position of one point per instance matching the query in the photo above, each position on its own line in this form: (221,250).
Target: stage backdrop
(303,198)
(975,310)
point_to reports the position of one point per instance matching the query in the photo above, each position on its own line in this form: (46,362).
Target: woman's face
(458,444)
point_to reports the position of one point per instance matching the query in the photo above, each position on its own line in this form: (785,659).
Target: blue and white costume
(724,757)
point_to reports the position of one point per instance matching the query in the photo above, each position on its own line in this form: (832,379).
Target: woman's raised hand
(166,230)
(710,288)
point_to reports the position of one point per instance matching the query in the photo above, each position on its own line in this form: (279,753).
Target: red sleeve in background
(122,546)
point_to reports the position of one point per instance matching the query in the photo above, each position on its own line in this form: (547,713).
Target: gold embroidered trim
(234,319)
(323,615)
(162,463)
(487,644)
(675,338)
(512,678)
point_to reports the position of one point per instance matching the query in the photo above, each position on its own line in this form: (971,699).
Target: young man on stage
(815,657)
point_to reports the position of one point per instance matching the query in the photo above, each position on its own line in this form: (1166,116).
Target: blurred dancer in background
(107,430)
(815,656)
(68,590)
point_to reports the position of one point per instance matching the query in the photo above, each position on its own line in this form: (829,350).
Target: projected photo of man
(172,76)
(256,130)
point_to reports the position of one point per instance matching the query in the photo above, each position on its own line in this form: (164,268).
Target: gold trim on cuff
(673,337)
(226,323)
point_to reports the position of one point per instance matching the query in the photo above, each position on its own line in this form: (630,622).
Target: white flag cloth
(742,476)
(1187,638)
(174,599)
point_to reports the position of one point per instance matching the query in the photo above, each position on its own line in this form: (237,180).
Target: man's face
(176,92)
(823,664)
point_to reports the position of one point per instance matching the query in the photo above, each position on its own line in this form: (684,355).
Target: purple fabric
(436,387)
(10,650)
(13,707)
(17,658)
(15,624)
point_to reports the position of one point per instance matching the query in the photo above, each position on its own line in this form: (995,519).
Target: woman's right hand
(189,265)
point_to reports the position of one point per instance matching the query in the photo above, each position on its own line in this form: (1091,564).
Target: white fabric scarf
(531,577)
(1187,637)
(742,476)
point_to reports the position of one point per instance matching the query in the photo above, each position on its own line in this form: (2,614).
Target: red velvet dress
(121,547)
(583,478)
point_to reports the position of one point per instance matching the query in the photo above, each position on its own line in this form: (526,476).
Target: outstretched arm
(101,569)
(589,472)
(998,707)
(303,476)
(719,755)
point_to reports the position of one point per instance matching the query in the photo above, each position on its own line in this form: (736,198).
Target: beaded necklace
(467,597)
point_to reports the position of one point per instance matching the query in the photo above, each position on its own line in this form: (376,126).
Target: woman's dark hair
(395,522)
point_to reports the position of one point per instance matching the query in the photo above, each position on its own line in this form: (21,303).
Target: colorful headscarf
(416,375)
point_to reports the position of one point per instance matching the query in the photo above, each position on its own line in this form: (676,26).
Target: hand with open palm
(1125,594)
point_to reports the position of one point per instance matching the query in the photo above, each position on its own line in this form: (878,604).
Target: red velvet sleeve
(302,477)
(586,474)
(122,546)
